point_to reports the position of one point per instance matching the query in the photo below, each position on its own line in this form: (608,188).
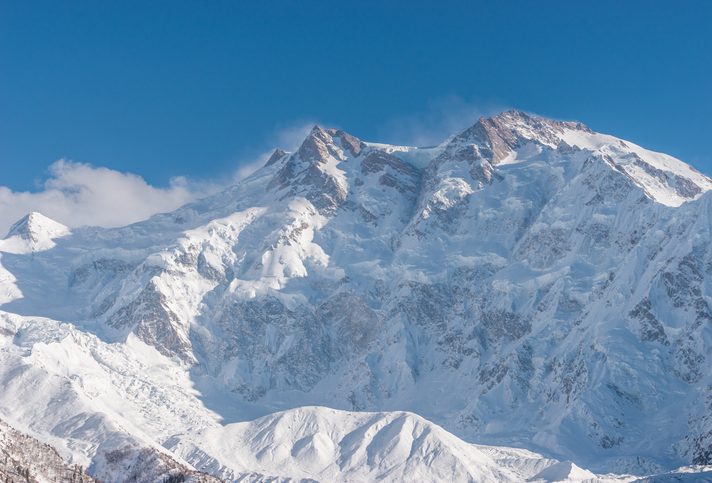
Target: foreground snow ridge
(528,285)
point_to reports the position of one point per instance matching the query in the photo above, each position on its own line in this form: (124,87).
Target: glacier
(527,300)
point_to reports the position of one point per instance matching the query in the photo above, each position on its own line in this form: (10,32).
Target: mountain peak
(517,119)
(276,155)
(563,471)
(514,127)
(312,171)
(512,136)
(35,223)
(33,232)
(320,142)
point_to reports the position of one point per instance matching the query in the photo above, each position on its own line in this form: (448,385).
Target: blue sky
(163,89)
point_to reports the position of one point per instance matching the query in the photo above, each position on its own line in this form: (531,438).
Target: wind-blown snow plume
(442,117)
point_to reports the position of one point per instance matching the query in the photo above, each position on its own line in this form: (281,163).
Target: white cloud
(79,194)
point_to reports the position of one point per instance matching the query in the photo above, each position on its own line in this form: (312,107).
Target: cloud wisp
(442,118)
(287,137)
(79,194)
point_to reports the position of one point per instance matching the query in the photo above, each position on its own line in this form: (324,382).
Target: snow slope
(526,283)
(328,445)
(125,410)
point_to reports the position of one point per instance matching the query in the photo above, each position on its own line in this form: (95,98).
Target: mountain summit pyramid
(33,232)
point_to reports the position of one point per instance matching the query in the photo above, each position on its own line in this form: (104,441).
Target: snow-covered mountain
(527,283)
(34,232)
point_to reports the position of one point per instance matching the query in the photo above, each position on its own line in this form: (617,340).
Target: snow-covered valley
(529,300)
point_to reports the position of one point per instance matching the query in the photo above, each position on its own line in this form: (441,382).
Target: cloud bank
(79,194)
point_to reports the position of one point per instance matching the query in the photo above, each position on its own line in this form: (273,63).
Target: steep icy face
(522,262)
(504,138)
(664,178)
(528,313)
(468,162)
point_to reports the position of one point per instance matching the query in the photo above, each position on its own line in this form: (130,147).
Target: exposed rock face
(276,156)
(313,171)
(23,458)
(530,282)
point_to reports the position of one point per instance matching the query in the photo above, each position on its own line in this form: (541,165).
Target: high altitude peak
(317,130)
(324,134)
(321,142)
(312,171)
(504,138)
(515,114)
(512,114)
(497,136)
(315,145)
(515,118)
